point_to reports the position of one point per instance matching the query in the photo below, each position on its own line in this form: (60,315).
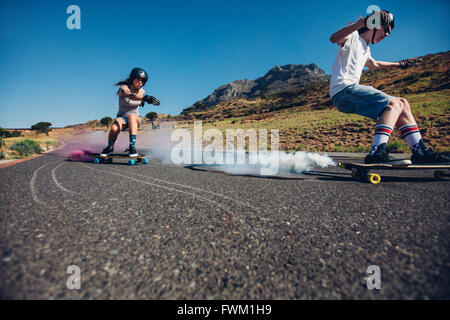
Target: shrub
(26,147)
(2,143)
(106,121)
(9,134)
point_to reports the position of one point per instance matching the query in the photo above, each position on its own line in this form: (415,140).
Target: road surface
(162,231)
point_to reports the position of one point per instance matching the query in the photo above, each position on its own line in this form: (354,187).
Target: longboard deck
(139,159)
(380,166)
(117,156)
(361,170)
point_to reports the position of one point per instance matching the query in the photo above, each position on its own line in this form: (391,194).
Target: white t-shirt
(349,63)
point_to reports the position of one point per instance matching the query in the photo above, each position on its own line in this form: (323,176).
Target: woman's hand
(151,100)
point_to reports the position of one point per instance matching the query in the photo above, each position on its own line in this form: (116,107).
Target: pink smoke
(81,156)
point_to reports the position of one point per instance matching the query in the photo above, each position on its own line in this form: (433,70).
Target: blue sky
(189,48)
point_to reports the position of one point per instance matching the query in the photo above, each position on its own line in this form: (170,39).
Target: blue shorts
(363,100)
(125,120)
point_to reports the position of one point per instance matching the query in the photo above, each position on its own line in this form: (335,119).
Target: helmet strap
(373,35)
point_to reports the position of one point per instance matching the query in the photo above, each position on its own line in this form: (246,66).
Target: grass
(309,130)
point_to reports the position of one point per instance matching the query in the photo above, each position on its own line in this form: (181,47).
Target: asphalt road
(161,231)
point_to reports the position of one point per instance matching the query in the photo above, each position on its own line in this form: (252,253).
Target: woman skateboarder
(350,97)
(131,96)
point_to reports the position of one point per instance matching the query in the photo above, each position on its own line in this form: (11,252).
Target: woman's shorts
(363,100)
(125,120)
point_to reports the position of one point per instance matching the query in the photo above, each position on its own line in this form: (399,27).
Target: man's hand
(151,100)
(413,62)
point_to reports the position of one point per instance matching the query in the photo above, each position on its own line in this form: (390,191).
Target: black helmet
(139,73)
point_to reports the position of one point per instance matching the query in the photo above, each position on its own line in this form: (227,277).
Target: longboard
(361,170)
(109,158)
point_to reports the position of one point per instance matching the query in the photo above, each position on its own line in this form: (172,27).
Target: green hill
(308,121)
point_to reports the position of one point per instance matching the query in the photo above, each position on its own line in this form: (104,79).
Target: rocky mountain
(278,79)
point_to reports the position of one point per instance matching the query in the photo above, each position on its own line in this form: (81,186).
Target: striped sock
(411,134)
(382,134)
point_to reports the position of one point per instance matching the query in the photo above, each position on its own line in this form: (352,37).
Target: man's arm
(372,64)
(341,35)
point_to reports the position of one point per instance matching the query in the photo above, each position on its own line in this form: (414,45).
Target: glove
(151,100)
(413,62)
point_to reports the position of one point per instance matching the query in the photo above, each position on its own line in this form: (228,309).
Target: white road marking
(194,188)
(33,186)
(159,186)
(56,181)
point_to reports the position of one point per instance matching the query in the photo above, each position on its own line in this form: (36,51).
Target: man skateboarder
(350,97)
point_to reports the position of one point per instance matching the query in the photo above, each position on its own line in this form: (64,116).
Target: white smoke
(304,161)
(157,144)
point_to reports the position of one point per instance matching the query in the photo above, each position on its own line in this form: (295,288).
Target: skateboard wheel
(131,162)
(144,161)
(374,178)
(96,160)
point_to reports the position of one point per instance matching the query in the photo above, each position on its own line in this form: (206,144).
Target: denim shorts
(363,100)
(125,120)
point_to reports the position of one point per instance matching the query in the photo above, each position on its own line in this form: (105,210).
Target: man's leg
(383,129)
(409,130)
(386,122)
(411,133)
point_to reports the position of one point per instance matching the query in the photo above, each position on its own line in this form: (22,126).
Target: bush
(2,155)
(26,147)
(106,121)
(9,134)
(2,143)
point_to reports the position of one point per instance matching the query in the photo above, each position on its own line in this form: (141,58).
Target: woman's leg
(116,127)
(133,124)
